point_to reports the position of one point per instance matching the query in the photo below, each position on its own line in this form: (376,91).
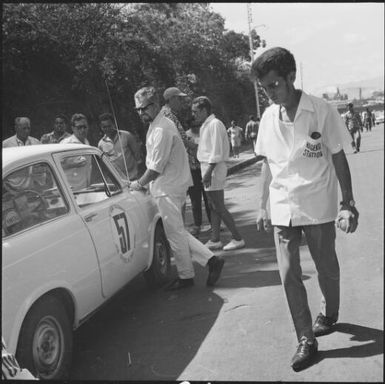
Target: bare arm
(263,196)
(347,212)
(147,177)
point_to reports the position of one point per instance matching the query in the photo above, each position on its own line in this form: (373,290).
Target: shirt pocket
(312,148)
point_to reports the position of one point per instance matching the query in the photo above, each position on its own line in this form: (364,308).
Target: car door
(111,215)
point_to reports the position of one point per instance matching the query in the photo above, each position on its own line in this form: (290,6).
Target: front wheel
(45,341)
(160,270)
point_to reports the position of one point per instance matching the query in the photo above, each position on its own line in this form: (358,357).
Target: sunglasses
(271,87)
(143,109)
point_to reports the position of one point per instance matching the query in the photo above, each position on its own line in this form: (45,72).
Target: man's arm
(206,179)
(341,167)
(147,177)
(263,196)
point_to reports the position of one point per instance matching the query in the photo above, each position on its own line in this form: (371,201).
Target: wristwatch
(351,203)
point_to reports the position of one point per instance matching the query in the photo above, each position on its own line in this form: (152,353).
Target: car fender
(13,338)
(157,218)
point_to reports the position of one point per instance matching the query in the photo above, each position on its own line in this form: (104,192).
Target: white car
(73,236)
(379,115)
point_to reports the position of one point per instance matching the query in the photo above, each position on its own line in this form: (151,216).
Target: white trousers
(185,247)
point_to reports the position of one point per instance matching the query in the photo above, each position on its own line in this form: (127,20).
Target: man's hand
(135,186)
(347,219)
(263,222)
(206,180)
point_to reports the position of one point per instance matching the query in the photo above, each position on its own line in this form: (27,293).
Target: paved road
(241,330)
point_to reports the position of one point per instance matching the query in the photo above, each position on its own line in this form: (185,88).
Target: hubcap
(48,347)
(161,255)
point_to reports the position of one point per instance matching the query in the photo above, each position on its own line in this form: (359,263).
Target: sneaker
(234,244)
(306,351)
(214,244)
(215,264)
(322,325)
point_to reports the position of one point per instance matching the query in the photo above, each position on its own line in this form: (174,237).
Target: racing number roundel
(122,232)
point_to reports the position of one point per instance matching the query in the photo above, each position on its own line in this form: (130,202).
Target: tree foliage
(59,57)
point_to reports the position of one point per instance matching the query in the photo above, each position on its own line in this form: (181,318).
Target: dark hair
(203,102)
(106,116)
(62,116)
(274,59)
(350,105)
(77,117)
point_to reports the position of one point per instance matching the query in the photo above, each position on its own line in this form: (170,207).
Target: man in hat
(169,177)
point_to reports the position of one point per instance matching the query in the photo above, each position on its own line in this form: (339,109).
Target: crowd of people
(301,139)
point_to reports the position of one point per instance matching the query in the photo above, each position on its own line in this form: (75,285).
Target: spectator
(79,126)
(235,134)
(23,129)
(368,121)
(213,152)
(77,168)
(354,124)
(251,131)
(175,102)
(169,177)
(120,146)
(302,139)
(197,191)
(59,131)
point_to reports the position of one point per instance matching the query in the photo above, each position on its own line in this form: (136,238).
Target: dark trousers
(195,192)
(321,241)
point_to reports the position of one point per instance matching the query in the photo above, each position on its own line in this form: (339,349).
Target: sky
(335,42)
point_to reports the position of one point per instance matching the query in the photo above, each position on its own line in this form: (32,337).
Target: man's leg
(170,211)
(196,197)
(321,241)
(287,242)
(218,212)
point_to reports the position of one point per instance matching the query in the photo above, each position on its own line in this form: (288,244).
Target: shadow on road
(374,345)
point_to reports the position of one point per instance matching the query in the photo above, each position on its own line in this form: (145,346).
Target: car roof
(18,155)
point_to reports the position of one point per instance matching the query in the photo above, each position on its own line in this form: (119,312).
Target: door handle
(89,217)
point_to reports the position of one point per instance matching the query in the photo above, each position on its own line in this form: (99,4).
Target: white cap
(171,92)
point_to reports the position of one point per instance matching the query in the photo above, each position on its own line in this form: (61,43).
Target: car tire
(45,341)
(159,272)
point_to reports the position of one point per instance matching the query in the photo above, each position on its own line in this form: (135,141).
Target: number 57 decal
(122,228)
(122,232)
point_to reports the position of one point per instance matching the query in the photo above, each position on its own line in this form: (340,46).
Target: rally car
(73,235)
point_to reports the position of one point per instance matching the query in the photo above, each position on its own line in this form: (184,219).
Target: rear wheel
(160,270)
(45,341)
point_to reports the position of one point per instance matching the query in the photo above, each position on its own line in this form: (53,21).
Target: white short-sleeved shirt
(166,154)
(13,141)
(214,144)
(124,144)
(303,189)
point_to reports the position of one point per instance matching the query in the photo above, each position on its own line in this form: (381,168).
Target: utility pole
(250,21)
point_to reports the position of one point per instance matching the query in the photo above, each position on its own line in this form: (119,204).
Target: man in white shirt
(213,152)
(168,174)
(77,168)
(302,138)
(121,147)
(23,129)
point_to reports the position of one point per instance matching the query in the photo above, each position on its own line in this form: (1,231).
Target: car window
(30,196)
(90,179)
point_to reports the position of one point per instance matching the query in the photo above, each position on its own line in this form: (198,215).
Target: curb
(235,168)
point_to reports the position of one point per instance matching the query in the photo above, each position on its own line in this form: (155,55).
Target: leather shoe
(179,284)
(305,354)
(322,325)
(215,268)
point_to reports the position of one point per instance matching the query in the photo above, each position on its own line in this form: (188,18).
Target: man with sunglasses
(302,139)
(168,175)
